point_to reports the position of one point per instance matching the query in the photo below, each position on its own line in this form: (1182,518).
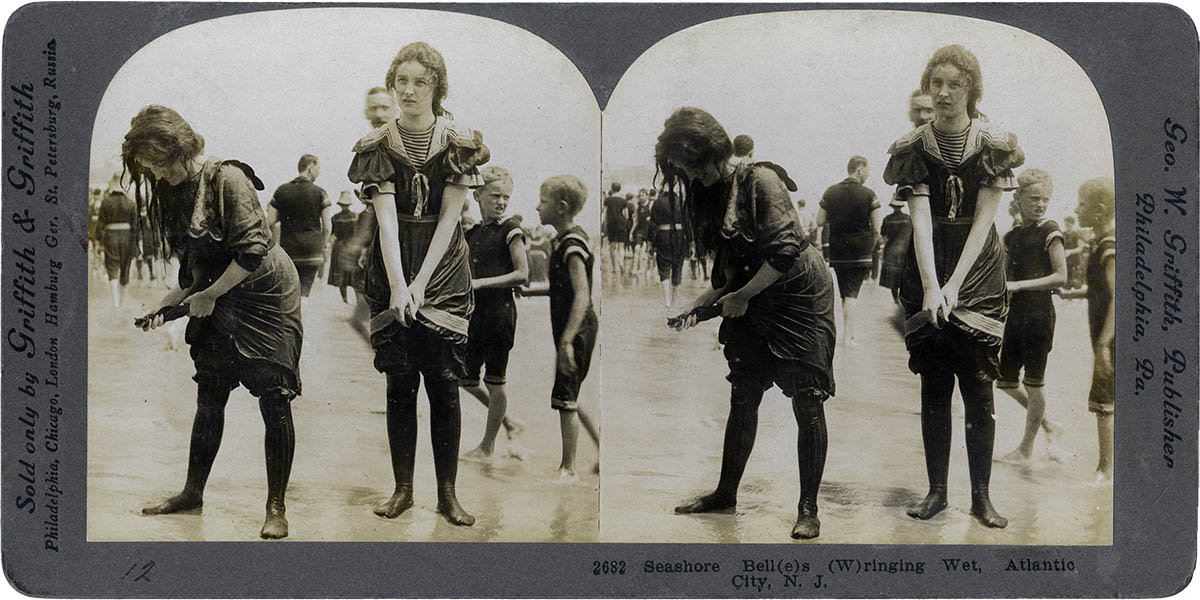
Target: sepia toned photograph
(858,271)
(340,284)
(599,300)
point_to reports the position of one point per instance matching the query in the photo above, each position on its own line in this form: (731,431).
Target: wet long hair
(432,60)
(160,136)
(693,138)
(966,62)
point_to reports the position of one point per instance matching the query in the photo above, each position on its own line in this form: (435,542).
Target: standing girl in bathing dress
(952,173)
(415,170)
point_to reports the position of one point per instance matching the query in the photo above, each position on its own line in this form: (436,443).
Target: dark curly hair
(432,60)
(693,138)
(157,135)
(966,62)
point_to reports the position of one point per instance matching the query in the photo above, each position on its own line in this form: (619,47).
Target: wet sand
(141,401)
(667,401)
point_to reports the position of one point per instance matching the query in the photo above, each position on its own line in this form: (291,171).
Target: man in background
(852,212)
(301,209)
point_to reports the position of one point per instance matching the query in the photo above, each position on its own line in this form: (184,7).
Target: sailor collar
(979,134)
(388,136)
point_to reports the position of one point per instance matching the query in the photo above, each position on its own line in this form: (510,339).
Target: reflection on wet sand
(140,407)
(667,402)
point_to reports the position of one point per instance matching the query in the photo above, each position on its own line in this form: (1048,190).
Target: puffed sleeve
(244,229)
(373,168)
(1000,156)
(907,171)
(463,158)
(775,229)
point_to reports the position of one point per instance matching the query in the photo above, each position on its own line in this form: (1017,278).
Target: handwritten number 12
(146,568)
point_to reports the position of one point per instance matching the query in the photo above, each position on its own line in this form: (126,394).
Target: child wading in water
(1096,210)
(1037,265)
(498,264)
(572,319)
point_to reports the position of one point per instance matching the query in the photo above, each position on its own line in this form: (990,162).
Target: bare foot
(1054,449)
(567,477)
(477,456)
(276,526)
(1016,457)
(400,501)
(513,427)
(713,502)
(933,504)
(981,509)
(1103,478)
(449,507)
(515,450)
(181,502)
(1055,452)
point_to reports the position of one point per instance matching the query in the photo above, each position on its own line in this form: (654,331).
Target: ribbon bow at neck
(418,189)
(954,191)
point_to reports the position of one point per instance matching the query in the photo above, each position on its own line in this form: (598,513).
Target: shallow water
(141,401)
(667,402)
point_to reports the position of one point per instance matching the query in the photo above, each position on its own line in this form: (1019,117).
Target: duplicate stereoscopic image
(854,270)
(312,234)
(862,267)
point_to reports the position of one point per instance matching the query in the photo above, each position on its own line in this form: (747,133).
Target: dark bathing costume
(951,170)
(117,227)
(671,236)
(848,207)
(343,269)
(1029,329)
(787,335)
(299,204)
(417,167)
(897,230)
(253,336)
(494,322)
(574,241)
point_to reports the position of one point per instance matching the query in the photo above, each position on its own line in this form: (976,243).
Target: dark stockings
(207,428)
(740,431)
(981,434)
(445,423)
(279,441)
(402,440)
(812,442)
(445,426)
(936,392)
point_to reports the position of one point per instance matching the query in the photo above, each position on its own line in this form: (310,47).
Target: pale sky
(267,87)
(814,88)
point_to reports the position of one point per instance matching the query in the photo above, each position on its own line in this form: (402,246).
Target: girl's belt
(118,227)
(670,227)
(420,219)
(953,221)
